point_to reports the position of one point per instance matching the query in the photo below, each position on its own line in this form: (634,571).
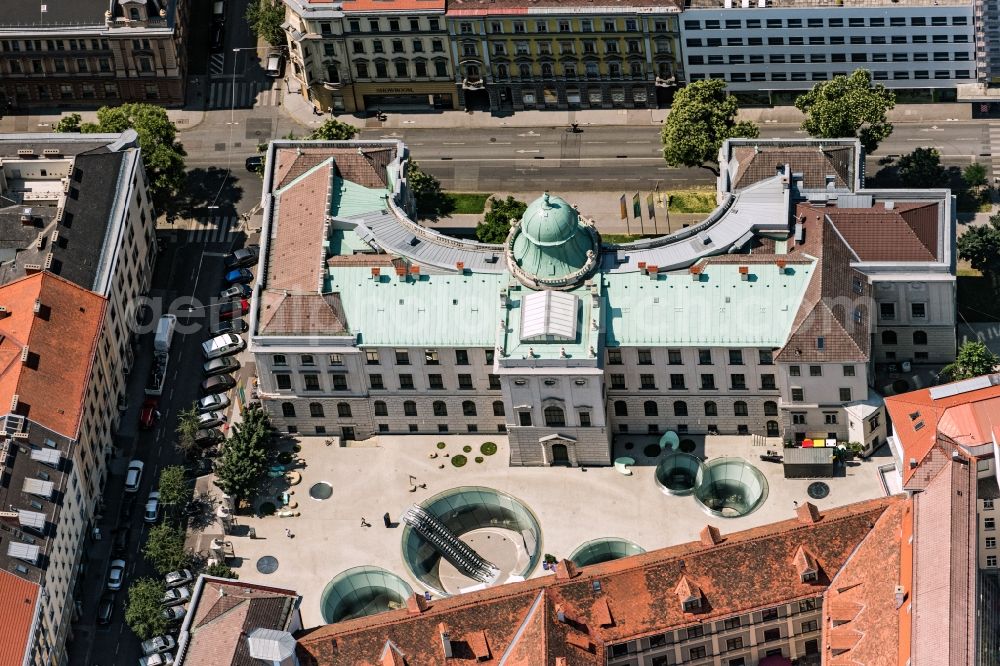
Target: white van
(275,66)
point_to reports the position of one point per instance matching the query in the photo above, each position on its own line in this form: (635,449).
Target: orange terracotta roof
(18,606)
(295,260)
(877,234)
(636,596)
(61,339)
(918,421)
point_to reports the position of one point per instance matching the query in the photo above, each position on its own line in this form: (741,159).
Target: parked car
(211,419)
(218,35)
(116,575)
(231,326)
(159,644)
(221,366)
(208,437)
(245,256)
(233,309)
(236,291)
(174,613)
(211,403)
(274,64)
(254,164)
(218,384)
(176,595)
(223,345)
(105,608)
(177,578)
(149,414)
(239,275)
(152,512)
(120,544)
(133,477)
(159,659)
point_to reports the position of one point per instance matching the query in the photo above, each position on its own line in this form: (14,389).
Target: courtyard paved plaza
(572,505)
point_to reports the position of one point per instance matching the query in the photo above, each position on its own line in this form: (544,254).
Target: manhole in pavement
(267,564)
(818,490)
(321,491)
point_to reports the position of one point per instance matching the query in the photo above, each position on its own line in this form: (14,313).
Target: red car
(149,414)
(234,309)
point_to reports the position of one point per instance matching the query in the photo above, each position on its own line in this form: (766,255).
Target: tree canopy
(980,246)
(220,570)
(71,122)
(144,613)
(702,116)
(430,199)
(975,175)
(848,106)
(173,486)
(265,18)
(334,130)
(922,169)
(186,430)
(496,222)
(974,359)
(242,469)
(165,548)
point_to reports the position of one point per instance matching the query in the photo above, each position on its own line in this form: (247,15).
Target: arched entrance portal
(560,454)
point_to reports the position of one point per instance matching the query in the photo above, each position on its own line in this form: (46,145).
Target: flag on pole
(624,211)
(636,206)
(650,206)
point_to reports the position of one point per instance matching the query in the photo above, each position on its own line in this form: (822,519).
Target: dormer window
(809,576)
(133,14)
(691,605)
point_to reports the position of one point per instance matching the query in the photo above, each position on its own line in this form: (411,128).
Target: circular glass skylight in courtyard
(470,537)
(679,473)
(362,591)
(730,488)
(604,550)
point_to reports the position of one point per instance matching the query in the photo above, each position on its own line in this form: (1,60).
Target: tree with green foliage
(242,469)
(174,488)
(496,222)
(165,548)
(974,359)
(220,570)
(702,116)
(848,106)
(265,18)
(980,246)
(144,613)
(975,176)
(334,130)
(431,201)
(162,156)
(71,122)
(922,169)
(187,430)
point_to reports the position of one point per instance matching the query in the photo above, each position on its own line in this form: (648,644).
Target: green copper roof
(551,241)
(349,198)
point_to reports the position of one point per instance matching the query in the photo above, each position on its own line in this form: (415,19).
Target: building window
(498,409)
(284,382)
(734,643)
(465,382)
(677,382)
(798,395)
(988,504)
(645,357)
(738,381)
(830,418)
(371,357)
(809,625)
(468,408)
(770,408)
(991,543)
(621,408)
(288,410)
(435,382)
(807,605)
(376,382)
(339,383)
(524,418)
(584,419)
(767,383)
(409,408)
(649,408)
(674,357)
(618,382)
(845,395)
(919,337)
(798,418)
(735,357)
(989,524)
(887,310)
(766,357)
(647,383)
(711,409)
(406,382)
(316,410)
(439,408)
(774,633)
(343,410)
(554,417)
(680,408)
(494,382)
(696,631)
(614,357)
(991,560)
(704,357)
(768,614)
(708,382)
(697,652)
(380,408)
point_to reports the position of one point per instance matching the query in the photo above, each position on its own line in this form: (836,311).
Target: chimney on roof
(415,271)
(38,306)
(401,273)
(781,265)
(696,273)
(565,569)
(744,273)
(642,267)
(900,595)
(913,463)
(710,535)
(376,273)
(654,271)
(4,312)
(460,267)
(445,640)
(808,513)
(416,604)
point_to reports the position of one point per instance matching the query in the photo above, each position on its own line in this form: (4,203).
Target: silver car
(158,645)
(210,419)
(214,402)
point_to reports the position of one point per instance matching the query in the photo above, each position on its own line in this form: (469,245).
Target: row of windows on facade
(742,77)
(144,64)
(71,91)
(680,408)
(891,338)
(16,45)
(372,357)
(800,58)
(438,408)
(565,26)
(851,22)
(816,40)
(674,357)
(587,47)
(737,382)
(338,382)
(396,45)
(887,310)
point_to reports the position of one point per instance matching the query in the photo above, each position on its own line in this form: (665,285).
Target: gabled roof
(751,164)
(18,607)
(907,232)
(302,314)
(606,603)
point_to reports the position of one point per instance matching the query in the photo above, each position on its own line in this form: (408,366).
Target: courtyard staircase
(449,546)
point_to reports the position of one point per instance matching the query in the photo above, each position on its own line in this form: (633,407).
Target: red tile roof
(637,596)
(757,163)
(18,607)
(877,234)
(295,258)
(61,340)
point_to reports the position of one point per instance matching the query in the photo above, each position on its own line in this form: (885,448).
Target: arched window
(472,72)
(772,429)
(621,409)
(288,410)
(546,70)
(919,337)
(468,408)
(680,408)
(380,408)
(502,72)
(740,408)
(440,409)
(649,408)
(524,71)
(410,408)
(770,408)
(498,408)
(316,410)
(711,409)
(888,337)
(343,410)
(555,417)
(133,14)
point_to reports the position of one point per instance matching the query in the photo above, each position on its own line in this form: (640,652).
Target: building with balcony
(65,54)
(758,320)
(769,50)
(361,55)
(513,55)
(77,225)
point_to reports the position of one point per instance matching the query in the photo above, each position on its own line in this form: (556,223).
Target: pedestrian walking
(288,533)
(365,523)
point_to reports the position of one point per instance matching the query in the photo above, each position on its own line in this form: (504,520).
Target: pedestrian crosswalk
(209,229)
(994,151)
(248,94)
(216,64)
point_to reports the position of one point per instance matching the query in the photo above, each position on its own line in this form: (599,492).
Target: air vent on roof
(800,232)
(48,261)
(26,216)
(13,402)
(51,151)
(59,214)
(38,306)
(55,236)
(25,152)
(24,354)
(890,205)
(964,386)
(31,269)
(40,241)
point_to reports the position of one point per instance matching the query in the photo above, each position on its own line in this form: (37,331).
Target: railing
(449,546)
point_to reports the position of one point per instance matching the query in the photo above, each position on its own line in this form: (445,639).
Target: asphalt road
(611,157)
